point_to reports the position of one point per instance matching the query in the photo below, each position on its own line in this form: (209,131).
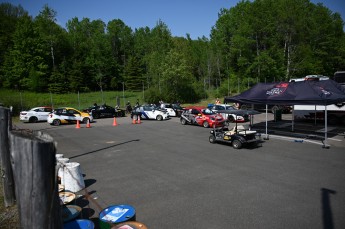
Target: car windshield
(230,108)
(176,106)
(207,112)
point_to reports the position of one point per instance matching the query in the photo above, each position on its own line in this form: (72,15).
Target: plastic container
(277,115)
(116,214)
(58,155)
(130,224)
(61,162)
(72,177)
(79,224)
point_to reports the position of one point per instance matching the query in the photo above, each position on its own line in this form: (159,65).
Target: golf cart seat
(243,129)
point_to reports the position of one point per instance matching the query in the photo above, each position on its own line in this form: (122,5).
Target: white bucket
(61,163)
(72,177)
(58,155)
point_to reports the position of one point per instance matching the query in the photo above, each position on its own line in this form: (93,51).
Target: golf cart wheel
(159,117)
(56,122)
(212,139)
(205,124)
(236,144)
(183,121)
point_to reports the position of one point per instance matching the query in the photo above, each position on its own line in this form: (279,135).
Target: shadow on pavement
(108,147)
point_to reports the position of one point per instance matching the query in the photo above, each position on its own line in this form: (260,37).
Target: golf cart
(237,136)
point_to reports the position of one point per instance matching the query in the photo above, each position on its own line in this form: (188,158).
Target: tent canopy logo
(278,89)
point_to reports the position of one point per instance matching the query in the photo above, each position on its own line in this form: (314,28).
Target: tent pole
(293,119)
(266,138)
(325,145)
(315,116)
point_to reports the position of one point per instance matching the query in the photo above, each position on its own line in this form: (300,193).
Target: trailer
(335,113)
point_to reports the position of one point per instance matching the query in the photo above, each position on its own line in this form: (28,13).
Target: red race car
(201,116)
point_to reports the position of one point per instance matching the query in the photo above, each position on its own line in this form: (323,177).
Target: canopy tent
(323,92)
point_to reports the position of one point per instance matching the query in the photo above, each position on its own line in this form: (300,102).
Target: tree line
(255,41)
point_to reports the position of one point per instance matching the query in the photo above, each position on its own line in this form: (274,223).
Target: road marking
(334,139)
(328,129)
(292,139)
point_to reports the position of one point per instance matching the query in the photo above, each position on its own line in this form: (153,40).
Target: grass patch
(26,100)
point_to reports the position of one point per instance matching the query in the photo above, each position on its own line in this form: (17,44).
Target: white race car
(35,114)
(149,112)
(220,108)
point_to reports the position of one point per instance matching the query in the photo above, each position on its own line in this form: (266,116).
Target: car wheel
(56,122)
(159,117)
(212,139)
(236,144)
(205,124)
(95,115)
(33,119)
(183,121)
(231,118)
(85,120)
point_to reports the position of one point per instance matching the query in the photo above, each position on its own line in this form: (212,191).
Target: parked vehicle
(229,117)
(335,112)
(66,115)
(262,107)
(201,116)
(105,111)
(36,114)
(149,112)
(174,110)
(339,77)
(238,136)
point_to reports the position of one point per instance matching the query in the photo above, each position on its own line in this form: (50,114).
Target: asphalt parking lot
(174,178)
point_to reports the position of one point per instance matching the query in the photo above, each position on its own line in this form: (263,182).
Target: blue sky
(195,17)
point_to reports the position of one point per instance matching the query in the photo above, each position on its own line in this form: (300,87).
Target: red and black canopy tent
(325,92)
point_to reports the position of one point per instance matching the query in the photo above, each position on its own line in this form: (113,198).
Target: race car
(201,116)
(65,115)
(174,110)
(105,111)
(35,114)
(229,117)
(149,112)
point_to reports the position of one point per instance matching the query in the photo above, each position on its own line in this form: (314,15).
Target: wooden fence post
(5,157)
(33,163)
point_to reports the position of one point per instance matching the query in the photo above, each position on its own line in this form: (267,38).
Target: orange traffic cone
(134,121)
(78,125)
(88,124)
(139,121)
(114,123)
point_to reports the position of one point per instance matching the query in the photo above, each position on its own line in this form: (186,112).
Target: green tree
(9,17)
(25,66)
